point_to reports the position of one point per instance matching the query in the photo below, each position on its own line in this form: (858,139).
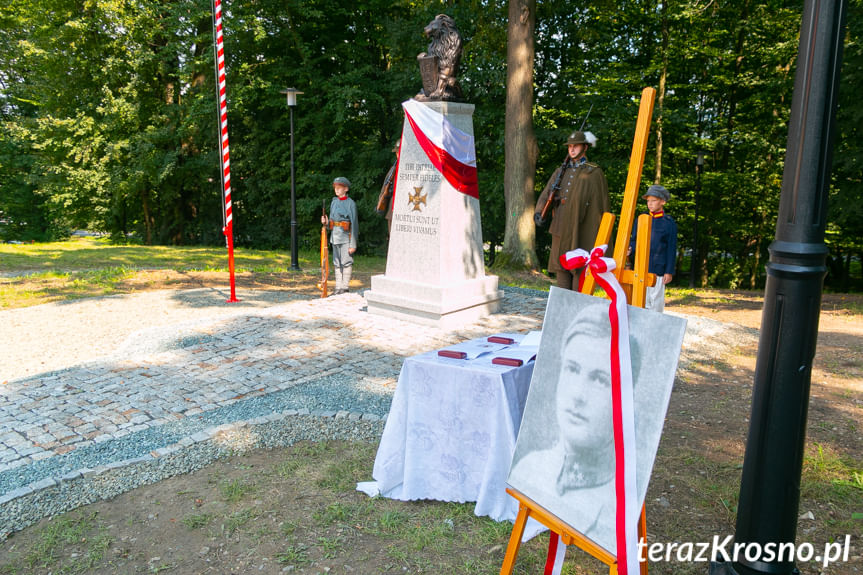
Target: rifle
(325,255)
(586,116)
(386,191)
(554,189)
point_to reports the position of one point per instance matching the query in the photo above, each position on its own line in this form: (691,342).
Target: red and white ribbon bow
(623,413)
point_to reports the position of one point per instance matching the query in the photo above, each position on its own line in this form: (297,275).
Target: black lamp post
(770,483)
(292,102)
(693,271)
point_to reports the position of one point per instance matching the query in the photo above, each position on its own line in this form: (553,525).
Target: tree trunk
(148,222)
(521,149)
(734,92)
(860,258)
(753,273)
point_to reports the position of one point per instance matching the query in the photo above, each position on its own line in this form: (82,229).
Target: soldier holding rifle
(343,223)
(575,198)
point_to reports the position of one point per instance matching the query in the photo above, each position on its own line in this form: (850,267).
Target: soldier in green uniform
(580,198)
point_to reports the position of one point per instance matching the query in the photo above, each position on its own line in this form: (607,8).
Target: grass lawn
(32,274)
(88,254)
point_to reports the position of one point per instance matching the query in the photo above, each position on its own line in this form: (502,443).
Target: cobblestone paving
(162,377)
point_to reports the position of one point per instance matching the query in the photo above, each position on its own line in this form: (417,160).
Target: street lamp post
(693,271)
(769,497)
(291,94)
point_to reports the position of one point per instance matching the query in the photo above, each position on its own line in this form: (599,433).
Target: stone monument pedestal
(445,307)
(435,271)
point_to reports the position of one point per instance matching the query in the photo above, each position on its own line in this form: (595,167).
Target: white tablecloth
(451,432)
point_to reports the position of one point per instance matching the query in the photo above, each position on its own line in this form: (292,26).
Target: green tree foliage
(355,64)
(110,115)
(845,218)
(739,77)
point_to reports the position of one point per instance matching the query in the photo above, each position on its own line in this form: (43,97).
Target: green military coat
(575,219)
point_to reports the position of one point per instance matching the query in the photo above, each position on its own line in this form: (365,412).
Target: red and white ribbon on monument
(623,412)
(449,149)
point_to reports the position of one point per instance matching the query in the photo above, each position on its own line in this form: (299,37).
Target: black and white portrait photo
(564,455)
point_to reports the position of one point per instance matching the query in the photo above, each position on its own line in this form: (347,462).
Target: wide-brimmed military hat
(343,181)
(657,191)
(579,137)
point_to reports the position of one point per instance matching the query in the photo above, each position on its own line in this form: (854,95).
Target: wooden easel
(634,283)
(636,280)
(527,507)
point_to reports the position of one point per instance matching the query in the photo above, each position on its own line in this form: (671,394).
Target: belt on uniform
(344,225)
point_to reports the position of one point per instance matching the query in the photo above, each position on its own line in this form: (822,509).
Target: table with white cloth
(451,430)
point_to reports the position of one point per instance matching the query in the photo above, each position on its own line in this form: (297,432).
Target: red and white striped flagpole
(225,161)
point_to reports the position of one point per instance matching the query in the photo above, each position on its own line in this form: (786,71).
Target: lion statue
(439,66)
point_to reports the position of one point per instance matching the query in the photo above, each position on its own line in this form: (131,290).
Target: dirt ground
(295,510)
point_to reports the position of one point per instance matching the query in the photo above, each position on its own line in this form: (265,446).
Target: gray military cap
(343,181)
(657,191)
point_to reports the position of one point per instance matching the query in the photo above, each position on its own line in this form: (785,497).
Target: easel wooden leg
(514,540)
(642,536)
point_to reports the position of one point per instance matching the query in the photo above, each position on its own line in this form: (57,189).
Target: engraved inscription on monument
(416,224)
(419,173)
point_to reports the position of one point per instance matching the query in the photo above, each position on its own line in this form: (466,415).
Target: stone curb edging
(51,496)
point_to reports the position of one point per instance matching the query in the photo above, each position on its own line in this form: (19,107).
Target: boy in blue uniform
(343,223)
(663,246)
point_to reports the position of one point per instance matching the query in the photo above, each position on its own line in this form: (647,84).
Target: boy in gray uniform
(343,223)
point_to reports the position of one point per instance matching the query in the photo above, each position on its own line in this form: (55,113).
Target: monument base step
(444,307)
